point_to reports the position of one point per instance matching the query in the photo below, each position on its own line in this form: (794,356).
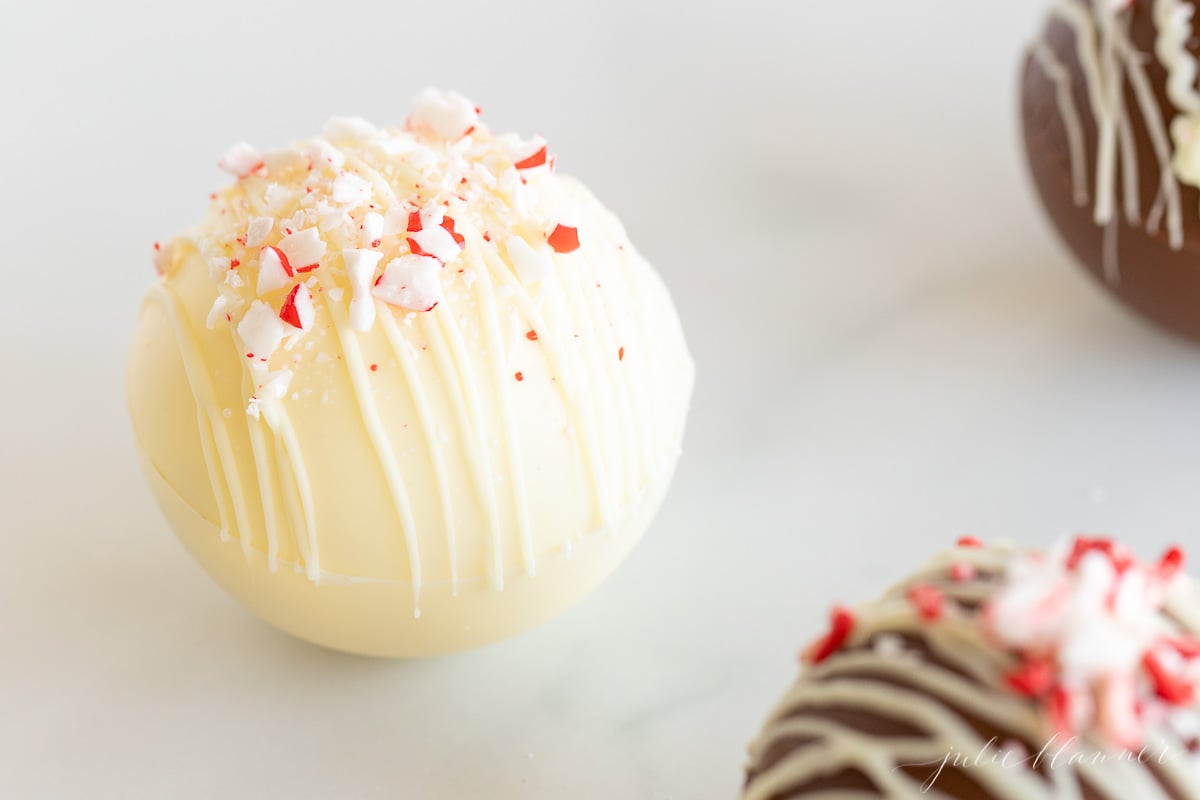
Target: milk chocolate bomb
(1111,119)
(998,674)
(407,390)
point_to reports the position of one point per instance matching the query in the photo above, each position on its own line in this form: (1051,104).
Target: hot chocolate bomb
(1111,119)
(999,674)
(407,390)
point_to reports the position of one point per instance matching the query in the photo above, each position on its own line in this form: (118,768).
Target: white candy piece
(261,331)
(272,274)
(372,229)
(303,248)
(258,230)
(360,268)
(447,114)
(531,265)
(349,129)
(217,312)
(438,242)
(278,198)
(217,267)
(411,282)
(519,149)
(331,218)
(277,162)
(351,190)
(323,153)
(240,160)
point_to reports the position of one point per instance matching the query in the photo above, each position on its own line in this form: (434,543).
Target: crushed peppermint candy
(928,600)
(303,249)
(274,270)
(297,309)
(241,160)
(410,282)
(384,216)
(1085,632)
(257,231)
(841,625)
(349,129)
(1095,647)
(261,331)
(446,114)
(372,229)
(563,239)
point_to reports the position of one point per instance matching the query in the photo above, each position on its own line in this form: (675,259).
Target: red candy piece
(961,572)
(841,625)
(1171,563)
(1034,678)
(535,160)
(416,248)
(288,313)
(448,224)
(928,600)
(1118,556)
(564,239)
(1060,706)
(1170,687)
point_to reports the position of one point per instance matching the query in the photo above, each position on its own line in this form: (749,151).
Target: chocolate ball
(1111,119)
(999,674)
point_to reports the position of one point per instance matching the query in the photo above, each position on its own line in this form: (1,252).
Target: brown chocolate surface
(1161,283)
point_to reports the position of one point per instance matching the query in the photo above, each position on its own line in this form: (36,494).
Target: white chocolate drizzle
(1110,64)
(1070,116)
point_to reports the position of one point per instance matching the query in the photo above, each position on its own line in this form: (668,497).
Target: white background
(893,350)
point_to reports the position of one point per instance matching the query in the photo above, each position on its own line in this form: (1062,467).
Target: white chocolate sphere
(383,479)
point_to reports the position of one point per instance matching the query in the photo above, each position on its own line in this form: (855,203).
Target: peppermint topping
(216,313)
(241,160)
(349,129)
(445,114)
(928,601)
(372,229)
(261,331)
(527,155)
(257,230)
(407,197)
(410,282)
(303,249)
(351,190)
(563,239)
(274,270)
(841,625)
(297,309)
(1095,648)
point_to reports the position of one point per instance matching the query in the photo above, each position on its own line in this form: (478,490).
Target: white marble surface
(893,350)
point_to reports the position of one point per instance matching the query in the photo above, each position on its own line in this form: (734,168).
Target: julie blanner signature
(1058,753)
